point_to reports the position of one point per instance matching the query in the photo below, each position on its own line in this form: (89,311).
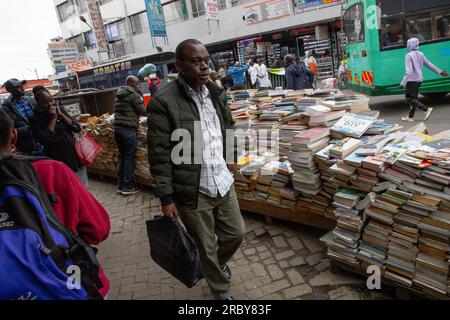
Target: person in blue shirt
(20,109)
(238,74)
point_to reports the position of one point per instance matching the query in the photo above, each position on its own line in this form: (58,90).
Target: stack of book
(306,178)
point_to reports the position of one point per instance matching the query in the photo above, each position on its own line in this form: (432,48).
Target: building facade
(245,29)
(61,53)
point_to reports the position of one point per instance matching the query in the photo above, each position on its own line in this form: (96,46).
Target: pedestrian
(414,61)
(311,64)
(214,76)
(20,109)
(153,82)
(75,207)
(263,76)
(297,76)
(54,129)
(201,191)
(253,71)
(129,107)
(238,73)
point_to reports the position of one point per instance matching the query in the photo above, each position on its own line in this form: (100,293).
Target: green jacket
(129,107)
(173,108)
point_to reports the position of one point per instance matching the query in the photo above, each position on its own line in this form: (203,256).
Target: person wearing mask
(263,76)
(20,109)
(54,129)
(414,62)
(238,74)
(200,190)
(297,76)
(75,207)
(129,107)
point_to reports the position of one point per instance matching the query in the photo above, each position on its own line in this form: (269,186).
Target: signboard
(212,10)
(80,65)
(60,69)
(97,25)
(62,45)
(121,66)
(155,15)
(301,5)
(73,110)
(266,10)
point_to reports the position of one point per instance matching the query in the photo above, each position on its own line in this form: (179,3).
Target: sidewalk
(283,261)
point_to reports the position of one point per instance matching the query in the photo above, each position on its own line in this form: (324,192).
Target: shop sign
(80,65)
(155,15)
(121,66)
(73,110)
(212,10)
(266,10)
(301,5)
(97,24)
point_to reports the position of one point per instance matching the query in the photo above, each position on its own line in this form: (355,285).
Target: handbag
(86,149)
(174,250)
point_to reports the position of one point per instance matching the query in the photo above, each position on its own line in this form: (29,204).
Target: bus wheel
(435,95)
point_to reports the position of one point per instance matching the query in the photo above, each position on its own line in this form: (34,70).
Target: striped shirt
(215,178)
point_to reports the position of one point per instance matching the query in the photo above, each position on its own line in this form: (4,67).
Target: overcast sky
(26,27)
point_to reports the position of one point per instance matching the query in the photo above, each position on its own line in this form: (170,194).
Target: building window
(175,12)
(79,41)
(101,2)
(65,10)
(82,5)
(198,8)
(222,4)
(116,31)
(139,23)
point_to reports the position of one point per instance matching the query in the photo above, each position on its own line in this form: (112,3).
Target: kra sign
(80,65)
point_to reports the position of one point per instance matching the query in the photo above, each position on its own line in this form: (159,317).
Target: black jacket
(25,142)
(298,77)
(60,144)
(129,107)
(173,108)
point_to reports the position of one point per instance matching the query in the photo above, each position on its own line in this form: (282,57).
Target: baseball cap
(11,83)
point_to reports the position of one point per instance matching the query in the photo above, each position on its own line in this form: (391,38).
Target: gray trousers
(218,229)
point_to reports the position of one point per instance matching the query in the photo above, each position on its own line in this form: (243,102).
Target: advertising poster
(266,10)
(212,10)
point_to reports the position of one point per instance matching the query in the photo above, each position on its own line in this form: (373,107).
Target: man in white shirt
(253,71)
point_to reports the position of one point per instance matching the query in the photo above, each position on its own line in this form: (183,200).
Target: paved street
(392,108)
(282,261)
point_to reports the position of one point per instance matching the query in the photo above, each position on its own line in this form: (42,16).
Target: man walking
(253,71)
(414,61)
(20,109)
(129,107)
(201,188)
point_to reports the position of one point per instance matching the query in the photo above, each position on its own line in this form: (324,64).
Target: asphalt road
(393,108)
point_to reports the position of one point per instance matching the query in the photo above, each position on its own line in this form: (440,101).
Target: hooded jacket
(414,62)
(298,77)
(129,108)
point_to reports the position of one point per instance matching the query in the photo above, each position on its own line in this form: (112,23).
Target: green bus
(376,34)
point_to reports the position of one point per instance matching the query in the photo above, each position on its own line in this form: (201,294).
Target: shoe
(130,191)
(428,113)
(408,119)
(229,298)
(227,272)
(119,190)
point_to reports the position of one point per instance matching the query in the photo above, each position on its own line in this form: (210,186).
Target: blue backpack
(40,259)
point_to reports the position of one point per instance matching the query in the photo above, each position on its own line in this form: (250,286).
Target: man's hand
(170,211)
(233,167)
(444,74)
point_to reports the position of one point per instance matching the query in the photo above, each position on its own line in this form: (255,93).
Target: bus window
(391,32)
(354,23)
(441,22)
(419,27)
(391,7)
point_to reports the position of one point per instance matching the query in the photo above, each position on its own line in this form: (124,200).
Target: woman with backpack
(54,129)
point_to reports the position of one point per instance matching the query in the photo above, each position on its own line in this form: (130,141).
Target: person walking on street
(263,76)
(20,109)
(129,107)
(238,74)
(253,71)
(297,76)
(311,64)
(201,191)
(414,61)
(54,129)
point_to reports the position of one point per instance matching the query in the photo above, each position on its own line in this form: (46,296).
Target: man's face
(16,91)
(194,65)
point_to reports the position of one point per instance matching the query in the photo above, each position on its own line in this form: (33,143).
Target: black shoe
(130,191)
(227,271)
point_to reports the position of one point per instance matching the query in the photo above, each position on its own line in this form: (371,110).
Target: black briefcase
(174,250)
